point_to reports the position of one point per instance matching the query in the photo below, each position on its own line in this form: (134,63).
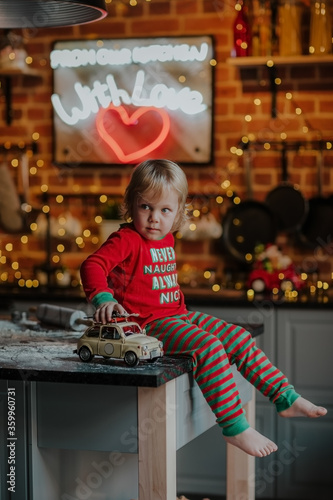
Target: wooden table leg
(157,442)
(240,465)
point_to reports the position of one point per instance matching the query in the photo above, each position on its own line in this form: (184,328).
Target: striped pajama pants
(214,346)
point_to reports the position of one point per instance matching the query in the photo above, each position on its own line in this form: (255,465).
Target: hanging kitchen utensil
(10,206)
(29,214)
(248,224)
(286,201)
(317,229)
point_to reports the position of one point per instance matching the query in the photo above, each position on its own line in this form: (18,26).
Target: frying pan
(287,202)
(248,224)
(318,225)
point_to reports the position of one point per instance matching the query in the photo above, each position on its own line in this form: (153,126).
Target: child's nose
(153,216)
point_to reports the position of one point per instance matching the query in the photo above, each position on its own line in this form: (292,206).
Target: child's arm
(96,269)
(95,273)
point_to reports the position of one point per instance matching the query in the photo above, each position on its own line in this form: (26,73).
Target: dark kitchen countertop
(234,298)
(193,296)
(30,353)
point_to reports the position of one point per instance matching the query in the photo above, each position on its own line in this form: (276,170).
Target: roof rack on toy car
(116,318)
(119,319)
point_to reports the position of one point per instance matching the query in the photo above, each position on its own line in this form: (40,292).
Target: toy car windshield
(131,329)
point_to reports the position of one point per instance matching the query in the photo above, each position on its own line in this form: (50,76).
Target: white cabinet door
(304,353)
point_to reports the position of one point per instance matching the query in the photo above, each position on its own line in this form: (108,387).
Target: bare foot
(303,408)
(252,442)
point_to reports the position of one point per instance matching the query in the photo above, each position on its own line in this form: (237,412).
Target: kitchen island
(100,428)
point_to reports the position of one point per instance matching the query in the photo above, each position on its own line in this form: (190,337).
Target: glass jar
(290,23)
(320,28)
(262,29)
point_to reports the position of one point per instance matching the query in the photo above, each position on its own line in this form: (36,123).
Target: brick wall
(236,115)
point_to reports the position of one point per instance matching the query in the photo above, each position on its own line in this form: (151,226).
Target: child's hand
(104,312)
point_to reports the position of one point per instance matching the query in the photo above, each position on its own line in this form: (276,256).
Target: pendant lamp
(49,13)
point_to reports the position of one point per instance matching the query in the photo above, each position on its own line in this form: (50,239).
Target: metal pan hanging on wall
(248,224)
(287,202)
(317,229)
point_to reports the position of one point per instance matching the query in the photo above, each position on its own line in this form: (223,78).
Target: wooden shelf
(19,72)
(274,62)
(249,62)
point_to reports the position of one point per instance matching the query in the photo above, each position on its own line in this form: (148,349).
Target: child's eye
(165,210)
(144,206)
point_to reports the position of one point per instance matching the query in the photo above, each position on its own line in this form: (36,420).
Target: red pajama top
(138,273)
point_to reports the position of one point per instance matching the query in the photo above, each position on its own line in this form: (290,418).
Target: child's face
(154,217)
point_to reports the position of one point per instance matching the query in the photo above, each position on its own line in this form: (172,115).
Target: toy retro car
(120,339)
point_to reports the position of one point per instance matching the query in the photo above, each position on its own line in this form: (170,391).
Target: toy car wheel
(85,354)
(131,358)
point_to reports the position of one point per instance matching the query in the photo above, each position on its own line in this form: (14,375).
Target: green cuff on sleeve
(102,297)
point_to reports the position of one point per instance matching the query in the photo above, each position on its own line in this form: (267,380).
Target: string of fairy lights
(11,270)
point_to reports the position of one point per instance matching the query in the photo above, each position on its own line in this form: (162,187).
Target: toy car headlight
(145,348)
(160,345)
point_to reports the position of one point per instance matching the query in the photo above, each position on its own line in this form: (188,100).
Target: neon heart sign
(123,130)
(120,101)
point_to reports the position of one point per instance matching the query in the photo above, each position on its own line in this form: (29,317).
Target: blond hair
(154,176)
